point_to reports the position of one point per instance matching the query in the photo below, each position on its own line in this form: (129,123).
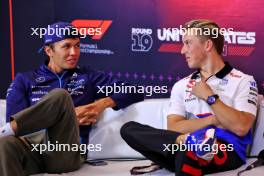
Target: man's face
(194,50)
(64,54)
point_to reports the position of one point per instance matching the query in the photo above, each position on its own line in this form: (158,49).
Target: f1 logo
(95,28)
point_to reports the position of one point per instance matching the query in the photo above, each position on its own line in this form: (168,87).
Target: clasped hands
(88,114)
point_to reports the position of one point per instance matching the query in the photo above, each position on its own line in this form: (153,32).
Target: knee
(126,129)
(60,96)
(59,93)
(8,145)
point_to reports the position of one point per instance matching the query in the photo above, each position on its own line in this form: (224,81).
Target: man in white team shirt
(215,105)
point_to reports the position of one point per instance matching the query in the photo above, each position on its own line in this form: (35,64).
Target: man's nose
(74,51)
(183,50)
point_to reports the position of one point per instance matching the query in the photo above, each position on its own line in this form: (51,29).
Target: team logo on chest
(40,79)
(191,83)
(74,75)
(189,95)
(222,85)
(76,86)
(223,82)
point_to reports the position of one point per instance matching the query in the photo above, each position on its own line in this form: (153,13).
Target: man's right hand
(84,112)
(88,114)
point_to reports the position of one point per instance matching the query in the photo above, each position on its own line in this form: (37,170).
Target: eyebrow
(186,40)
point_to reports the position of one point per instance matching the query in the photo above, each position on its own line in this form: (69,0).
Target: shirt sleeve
(107,86)
(247,96)
(16,99)
(176,105)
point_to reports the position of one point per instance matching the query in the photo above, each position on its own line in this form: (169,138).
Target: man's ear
(209,45)
(48,50)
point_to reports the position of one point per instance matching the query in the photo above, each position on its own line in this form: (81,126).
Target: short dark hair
(218,40)
(51,45)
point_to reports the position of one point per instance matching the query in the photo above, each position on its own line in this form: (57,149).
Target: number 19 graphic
(141,42)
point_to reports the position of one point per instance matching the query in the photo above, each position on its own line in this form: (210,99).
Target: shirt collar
(220,74)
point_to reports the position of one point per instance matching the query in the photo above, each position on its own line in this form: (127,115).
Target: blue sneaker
(202,143)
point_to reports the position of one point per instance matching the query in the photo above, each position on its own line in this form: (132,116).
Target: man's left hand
(202,90)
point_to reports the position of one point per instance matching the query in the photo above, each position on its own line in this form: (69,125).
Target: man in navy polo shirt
(60,98)
(210,115)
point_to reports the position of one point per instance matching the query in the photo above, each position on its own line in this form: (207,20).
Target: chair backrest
(2,112)
(258,140)
(107,131)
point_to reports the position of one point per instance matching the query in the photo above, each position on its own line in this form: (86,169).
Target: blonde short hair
(210,26)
